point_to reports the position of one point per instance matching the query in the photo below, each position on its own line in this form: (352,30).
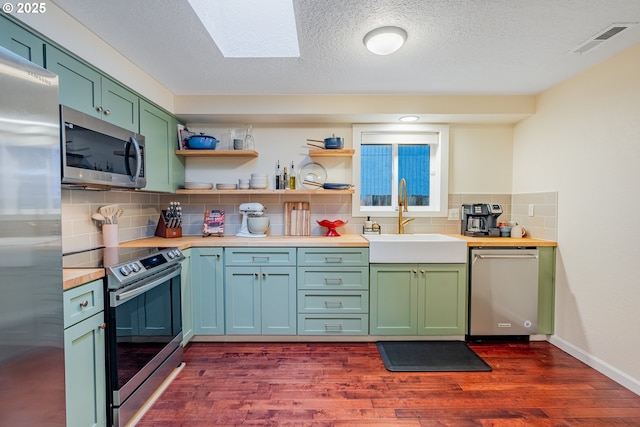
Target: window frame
(439,168)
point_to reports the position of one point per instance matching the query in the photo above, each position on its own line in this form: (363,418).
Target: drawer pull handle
(84,303)
(102,326)
(337,259)
(333,279)
(328,303)
(260,258)
(333,326)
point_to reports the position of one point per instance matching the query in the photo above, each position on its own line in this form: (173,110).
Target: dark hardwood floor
(346,384)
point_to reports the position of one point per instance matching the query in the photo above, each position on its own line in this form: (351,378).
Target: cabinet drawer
(333,278)
(333,324)
(333,302)
(83,302)
(333,256)
(260,256)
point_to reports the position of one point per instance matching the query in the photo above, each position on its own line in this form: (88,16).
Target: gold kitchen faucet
(402,204)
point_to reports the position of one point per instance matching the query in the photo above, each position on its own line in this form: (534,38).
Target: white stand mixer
(247,210)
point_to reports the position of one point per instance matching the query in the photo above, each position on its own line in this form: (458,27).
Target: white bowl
(257,224)
(224,186)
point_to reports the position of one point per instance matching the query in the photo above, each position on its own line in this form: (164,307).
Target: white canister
(110,235)
(518,231)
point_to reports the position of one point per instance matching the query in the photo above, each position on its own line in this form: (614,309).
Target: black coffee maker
(481,219)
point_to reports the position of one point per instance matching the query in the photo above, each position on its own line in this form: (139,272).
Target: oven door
(145,328)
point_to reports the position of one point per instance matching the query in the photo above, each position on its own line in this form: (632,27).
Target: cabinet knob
(218,256)
(99,109)
(107,112)
(415,271)
(422,271)
(264,275)
(103,326)
(84,303)
(256,275)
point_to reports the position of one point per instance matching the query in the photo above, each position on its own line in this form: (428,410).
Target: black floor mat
(430,356)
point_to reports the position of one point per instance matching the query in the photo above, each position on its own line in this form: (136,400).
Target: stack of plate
(258,180)
(226,186)
(198,185)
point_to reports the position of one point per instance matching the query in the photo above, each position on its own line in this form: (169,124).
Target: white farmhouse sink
(412,248)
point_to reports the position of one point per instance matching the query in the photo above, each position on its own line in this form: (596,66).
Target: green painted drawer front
(333,278)
(333,257)
(332,302)
(260,256)
(333,324)
(83,302)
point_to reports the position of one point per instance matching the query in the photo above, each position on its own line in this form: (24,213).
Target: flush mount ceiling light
(409,118)
(250,28)
(385,40)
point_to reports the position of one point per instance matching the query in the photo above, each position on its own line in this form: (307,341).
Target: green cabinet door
(85,371)
(393,299)
(278,300)
(546,289)
(119,105)
(442,299)
(260,300)
(21,42)
(164,170)
(85,89)
(417,299)
(242,300)
(208,291)
(186,298)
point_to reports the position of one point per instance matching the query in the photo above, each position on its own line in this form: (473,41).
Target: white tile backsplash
(142,211)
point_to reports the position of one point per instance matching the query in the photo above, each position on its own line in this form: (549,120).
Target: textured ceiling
(454,46)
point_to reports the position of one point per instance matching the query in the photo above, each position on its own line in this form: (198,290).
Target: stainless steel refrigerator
(32,389)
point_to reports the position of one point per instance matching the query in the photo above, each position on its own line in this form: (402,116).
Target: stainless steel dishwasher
(503,292)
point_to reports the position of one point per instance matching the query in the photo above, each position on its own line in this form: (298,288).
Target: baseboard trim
(599,365)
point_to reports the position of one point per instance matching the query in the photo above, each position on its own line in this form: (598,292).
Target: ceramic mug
(518,231)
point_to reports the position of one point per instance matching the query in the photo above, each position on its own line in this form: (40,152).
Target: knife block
(162,230)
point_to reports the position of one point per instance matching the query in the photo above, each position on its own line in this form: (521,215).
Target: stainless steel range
(144,319)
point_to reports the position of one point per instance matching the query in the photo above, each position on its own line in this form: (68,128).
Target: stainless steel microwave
(98,154)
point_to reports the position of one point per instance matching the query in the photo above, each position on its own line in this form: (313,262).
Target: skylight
(250,28)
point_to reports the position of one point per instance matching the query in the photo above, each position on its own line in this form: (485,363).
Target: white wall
(584,142)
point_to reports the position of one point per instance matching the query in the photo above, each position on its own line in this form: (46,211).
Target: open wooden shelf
(331,153)
(265,191)
(217,153)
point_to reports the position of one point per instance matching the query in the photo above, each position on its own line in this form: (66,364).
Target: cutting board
(297,219)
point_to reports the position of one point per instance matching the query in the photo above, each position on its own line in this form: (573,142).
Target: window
(387,153)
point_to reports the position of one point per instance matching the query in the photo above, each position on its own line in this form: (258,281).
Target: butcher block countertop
(75,277)
(72,277)
(348,240)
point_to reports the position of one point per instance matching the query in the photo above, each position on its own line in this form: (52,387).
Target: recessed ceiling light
(385,40)
(250,28)
(409,118)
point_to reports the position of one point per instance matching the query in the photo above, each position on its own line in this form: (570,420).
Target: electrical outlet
(531,208)
(454,214)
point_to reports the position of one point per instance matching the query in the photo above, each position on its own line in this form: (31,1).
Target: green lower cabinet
(546,289)
(186,298)
(260,300)
(417,299)
(84,356)
(208,291)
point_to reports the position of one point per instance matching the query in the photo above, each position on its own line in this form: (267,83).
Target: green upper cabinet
(22,42)
(164,170)
(87,90)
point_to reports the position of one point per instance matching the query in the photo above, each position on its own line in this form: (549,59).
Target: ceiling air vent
(602,37)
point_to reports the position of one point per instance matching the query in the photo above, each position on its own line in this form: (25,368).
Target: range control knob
(135,267)
(177,252)
(125,270)
(171,255)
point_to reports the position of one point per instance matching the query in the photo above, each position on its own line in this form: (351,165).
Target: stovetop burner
(124,265)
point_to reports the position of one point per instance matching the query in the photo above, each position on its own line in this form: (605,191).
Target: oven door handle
(122,297)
